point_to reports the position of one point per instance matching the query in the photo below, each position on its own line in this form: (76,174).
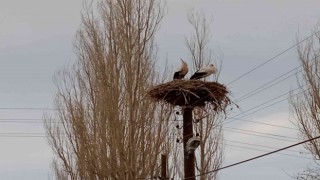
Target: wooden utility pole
(189,169)
(163,167)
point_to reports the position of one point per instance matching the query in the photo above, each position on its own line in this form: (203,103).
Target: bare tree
(306,105)
(107,128)
(207,122)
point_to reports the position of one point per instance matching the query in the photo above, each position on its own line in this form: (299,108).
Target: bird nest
(192,93)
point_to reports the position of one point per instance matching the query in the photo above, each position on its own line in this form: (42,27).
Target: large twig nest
(192,93)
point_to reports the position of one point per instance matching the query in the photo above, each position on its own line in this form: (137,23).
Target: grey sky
(36,40)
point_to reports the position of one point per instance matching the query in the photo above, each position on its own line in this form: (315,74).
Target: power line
(30,108)
(257,157)
(292,155)
(28,121)
(22,136)
(269,134)
(263,146)
(272,83)
(21,133)
(266,102)
(242,131)
(271,59)
(260,135)
(244,143)
(42,135)
(23,119)
(40,121)
(172,136)
(234,119)
(17,120)
(24,122)
(235,130)
(267,124)
(264,86)
(226,129)
(230,129)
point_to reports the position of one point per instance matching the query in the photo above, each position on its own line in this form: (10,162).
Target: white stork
(204,72)
(182,71)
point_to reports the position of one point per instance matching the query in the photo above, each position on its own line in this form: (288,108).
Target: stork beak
(183,62)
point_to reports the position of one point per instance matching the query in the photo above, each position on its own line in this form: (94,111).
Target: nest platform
(192,93)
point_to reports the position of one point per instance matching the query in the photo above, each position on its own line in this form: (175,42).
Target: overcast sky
(36,40)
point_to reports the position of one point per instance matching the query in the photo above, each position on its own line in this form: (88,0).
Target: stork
(204,72)
(182,71)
